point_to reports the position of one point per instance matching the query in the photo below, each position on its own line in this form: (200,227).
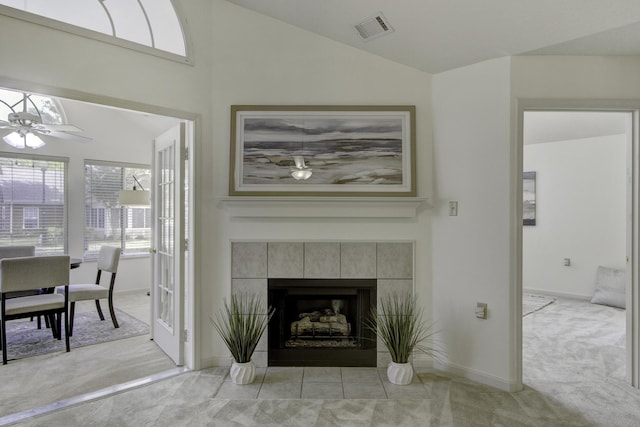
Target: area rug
(24,339)
(532,303)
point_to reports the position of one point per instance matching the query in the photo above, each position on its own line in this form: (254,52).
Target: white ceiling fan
(25,129)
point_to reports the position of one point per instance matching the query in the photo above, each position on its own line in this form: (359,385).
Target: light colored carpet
(532,303)
(24,339)
(573,341)
(33,382)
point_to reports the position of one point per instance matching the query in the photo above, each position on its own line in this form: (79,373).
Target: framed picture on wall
(529,198)
(322,151)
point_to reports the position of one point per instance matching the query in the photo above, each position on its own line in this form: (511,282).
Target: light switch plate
(453,208)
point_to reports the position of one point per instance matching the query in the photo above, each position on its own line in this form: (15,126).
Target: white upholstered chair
(18,251)
(108,259)
(33,273)
(13,251)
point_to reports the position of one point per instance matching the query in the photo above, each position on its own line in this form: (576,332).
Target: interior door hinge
(186,244)
(186,153)
(185,335)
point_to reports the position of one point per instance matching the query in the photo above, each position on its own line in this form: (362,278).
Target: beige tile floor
(564,389)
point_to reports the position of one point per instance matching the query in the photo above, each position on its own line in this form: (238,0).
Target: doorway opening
(121,132)
(577,232)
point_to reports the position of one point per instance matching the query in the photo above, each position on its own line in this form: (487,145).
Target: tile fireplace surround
(253,263)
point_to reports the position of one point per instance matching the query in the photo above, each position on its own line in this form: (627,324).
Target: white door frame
(633,220)
(193,135)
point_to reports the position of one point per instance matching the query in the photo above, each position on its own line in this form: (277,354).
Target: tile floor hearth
(319,383)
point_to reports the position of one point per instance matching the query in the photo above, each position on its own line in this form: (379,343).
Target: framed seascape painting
(529,198)
(322,151)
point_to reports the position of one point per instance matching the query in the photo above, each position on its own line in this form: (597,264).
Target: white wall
(576,77)
(258,60)
(581,206)
(471,251)
(476,163)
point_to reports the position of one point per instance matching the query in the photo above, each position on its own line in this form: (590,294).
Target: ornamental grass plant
(241,323)
(399,324)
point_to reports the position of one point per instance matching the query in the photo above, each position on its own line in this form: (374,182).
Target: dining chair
(17,251)
(33,273)
(14,251)
(108,259)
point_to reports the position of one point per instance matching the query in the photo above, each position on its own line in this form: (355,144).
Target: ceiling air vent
(374,27)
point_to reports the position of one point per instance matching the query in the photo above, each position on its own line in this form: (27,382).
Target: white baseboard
(557,294)
(215,361)
(422,361)
(477,376)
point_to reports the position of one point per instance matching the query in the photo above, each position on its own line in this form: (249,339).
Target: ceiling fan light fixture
(14,139)
(27,127)
(33,141)
(21,140)
(24,118)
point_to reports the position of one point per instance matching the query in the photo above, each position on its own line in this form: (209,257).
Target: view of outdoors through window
(43,106)
(32,203)
(108,223)
(149,23)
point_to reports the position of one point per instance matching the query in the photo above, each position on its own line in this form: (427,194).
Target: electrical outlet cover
(481,310)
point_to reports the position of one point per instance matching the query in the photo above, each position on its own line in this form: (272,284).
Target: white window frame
(106,38)
(97,218)
(30,217)
(130,217)
(4,221)
(125,215)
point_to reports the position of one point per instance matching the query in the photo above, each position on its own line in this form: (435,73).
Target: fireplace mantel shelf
(321,207)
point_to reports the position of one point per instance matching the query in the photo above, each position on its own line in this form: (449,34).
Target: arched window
(49,110)
(151,26)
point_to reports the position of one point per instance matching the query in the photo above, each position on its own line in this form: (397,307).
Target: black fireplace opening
(321,322)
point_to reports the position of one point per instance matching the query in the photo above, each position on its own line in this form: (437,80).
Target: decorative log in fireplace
(319,322)
(322,328)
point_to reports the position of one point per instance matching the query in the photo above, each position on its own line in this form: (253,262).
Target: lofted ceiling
(90,116)
(440,35)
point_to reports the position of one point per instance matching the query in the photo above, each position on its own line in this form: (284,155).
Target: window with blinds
(108,223)
(33,202)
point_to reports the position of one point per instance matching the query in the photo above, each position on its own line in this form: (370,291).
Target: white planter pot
(400,373)
(242,373)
